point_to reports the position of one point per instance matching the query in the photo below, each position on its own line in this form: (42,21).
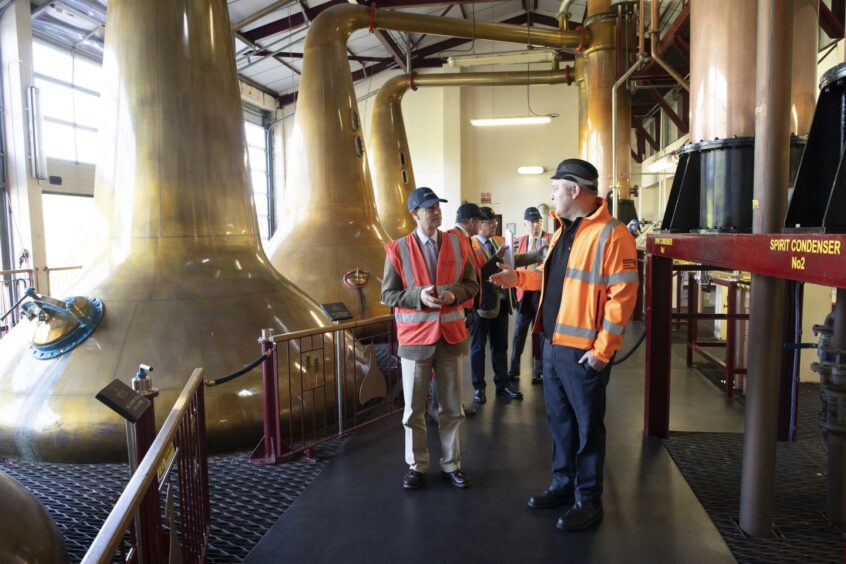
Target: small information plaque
(123,400)
(336,311)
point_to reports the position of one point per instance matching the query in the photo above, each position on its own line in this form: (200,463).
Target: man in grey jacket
(420,360)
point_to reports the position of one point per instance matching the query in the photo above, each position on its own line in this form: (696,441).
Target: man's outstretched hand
(507,278)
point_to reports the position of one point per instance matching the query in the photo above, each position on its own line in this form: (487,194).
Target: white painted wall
(490,155)
(24,189)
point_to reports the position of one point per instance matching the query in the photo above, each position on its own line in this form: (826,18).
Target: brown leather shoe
(457,478)
(413,480)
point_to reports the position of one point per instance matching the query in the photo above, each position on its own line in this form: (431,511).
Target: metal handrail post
(148,521)
(269,449)
(340,377)
(731,338)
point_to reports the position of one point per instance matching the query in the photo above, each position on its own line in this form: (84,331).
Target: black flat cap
(487,214)
(531,214)
(578,171)
(468,211)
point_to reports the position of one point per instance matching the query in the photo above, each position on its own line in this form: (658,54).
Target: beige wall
(458,160)
(490,155)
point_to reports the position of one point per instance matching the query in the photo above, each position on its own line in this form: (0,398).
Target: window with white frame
(257,149)
(69,85)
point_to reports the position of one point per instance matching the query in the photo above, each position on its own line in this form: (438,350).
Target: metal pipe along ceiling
(329,225)
(390,159)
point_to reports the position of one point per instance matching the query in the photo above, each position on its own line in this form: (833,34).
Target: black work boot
(551,498)
(583,515)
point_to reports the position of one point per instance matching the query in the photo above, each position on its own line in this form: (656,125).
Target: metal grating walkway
(711,464)
(246,499)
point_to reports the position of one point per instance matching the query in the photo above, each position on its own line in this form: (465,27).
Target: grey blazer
(395,294)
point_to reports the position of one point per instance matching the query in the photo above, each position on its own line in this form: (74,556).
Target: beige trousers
(416,377)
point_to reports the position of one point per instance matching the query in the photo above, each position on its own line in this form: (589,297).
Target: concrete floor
(356,511)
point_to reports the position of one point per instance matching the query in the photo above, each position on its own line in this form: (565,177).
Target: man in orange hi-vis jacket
(588,286)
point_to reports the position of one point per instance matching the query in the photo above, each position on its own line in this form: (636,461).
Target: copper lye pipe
(581,84)
(772,165)
(329,226)
(390,159)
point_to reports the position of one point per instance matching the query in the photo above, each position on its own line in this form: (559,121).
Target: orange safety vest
(468,250)
(426,327)
(480,258)
(523,248)
(600,285)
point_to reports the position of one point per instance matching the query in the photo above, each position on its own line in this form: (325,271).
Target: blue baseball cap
(531,214)
(423,198)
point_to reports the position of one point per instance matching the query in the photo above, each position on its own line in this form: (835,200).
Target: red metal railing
(180,444)
(323,383)
(731,317)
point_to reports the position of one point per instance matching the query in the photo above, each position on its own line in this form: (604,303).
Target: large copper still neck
(182,273)
(390,158)
(803,82)
(329,233)
(723,37)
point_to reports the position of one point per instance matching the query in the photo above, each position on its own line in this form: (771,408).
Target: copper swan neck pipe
(329,223)
(390,159)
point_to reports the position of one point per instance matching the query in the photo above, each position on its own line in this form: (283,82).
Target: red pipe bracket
(583,38)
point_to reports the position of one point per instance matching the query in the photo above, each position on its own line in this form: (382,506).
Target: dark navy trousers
(575,408)
(527,309)
(497,330)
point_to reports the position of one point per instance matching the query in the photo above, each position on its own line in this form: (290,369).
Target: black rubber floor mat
(711,464)
(245,499)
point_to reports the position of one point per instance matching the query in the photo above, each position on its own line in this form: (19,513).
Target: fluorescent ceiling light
(525,120)
(504,58)
(530,170)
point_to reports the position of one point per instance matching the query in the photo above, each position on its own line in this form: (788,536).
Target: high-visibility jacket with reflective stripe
(480,258)
(466,248)
(600,285)
(523,247)
(426,327)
